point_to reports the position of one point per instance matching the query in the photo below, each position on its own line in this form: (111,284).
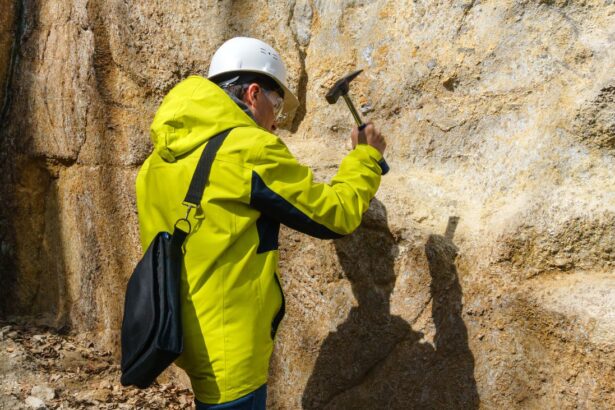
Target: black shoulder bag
(152,326)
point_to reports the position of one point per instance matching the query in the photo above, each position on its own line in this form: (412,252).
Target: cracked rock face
(482,274)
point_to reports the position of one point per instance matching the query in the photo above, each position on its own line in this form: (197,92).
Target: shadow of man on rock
(374,359)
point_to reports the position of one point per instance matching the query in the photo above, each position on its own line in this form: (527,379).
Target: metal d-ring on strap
(185,219)
(201,177)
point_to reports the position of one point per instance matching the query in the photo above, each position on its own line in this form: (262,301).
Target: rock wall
(8,34)
(483,272)
(7,37)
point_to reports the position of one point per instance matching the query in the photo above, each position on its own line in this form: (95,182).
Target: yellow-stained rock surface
(483,274)
(7,38)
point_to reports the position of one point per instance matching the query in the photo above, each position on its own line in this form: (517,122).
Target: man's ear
(250,94)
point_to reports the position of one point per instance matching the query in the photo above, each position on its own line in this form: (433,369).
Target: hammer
(341,88)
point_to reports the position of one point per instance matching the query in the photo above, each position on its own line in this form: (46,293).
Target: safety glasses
(277,103)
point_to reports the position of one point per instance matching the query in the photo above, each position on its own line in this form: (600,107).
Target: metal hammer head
(340,87)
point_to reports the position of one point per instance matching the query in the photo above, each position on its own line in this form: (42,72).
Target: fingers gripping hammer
(341,88)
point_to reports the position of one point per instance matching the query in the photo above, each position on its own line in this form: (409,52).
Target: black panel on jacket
(279,209)
(280,315)
(268,231)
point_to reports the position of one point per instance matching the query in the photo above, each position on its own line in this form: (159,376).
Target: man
(232,302)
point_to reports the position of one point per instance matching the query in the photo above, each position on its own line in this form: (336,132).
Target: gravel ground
(41,369)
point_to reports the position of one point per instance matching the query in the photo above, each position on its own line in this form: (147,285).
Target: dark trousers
(257,400)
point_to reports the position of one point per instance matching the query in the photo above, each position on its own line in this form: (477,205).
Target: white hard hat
(255,56)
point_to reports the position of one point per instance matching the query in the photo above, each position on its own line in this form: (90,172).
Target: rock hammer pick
(341,88)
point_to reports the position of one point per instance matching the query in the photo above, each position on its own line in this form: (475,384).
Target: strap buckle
(199,214)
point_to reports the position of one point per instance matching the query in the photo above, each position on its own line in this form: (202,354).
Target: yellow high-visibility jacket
(231,298)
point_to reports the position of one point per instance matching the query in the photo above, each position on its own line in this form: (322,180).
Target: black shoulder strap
(203,168)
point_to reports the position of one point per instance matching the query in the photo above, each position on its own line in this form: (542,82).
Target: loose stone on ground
(40,369)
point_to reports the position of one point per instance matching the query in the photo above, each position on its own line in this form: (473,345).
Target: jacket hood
(191,113)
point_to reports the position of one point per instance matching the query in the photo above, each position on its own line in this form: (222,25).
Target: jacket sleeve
(285,191)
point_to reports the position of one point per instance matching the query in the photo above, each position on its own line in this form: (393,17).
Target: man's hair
(237,83)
